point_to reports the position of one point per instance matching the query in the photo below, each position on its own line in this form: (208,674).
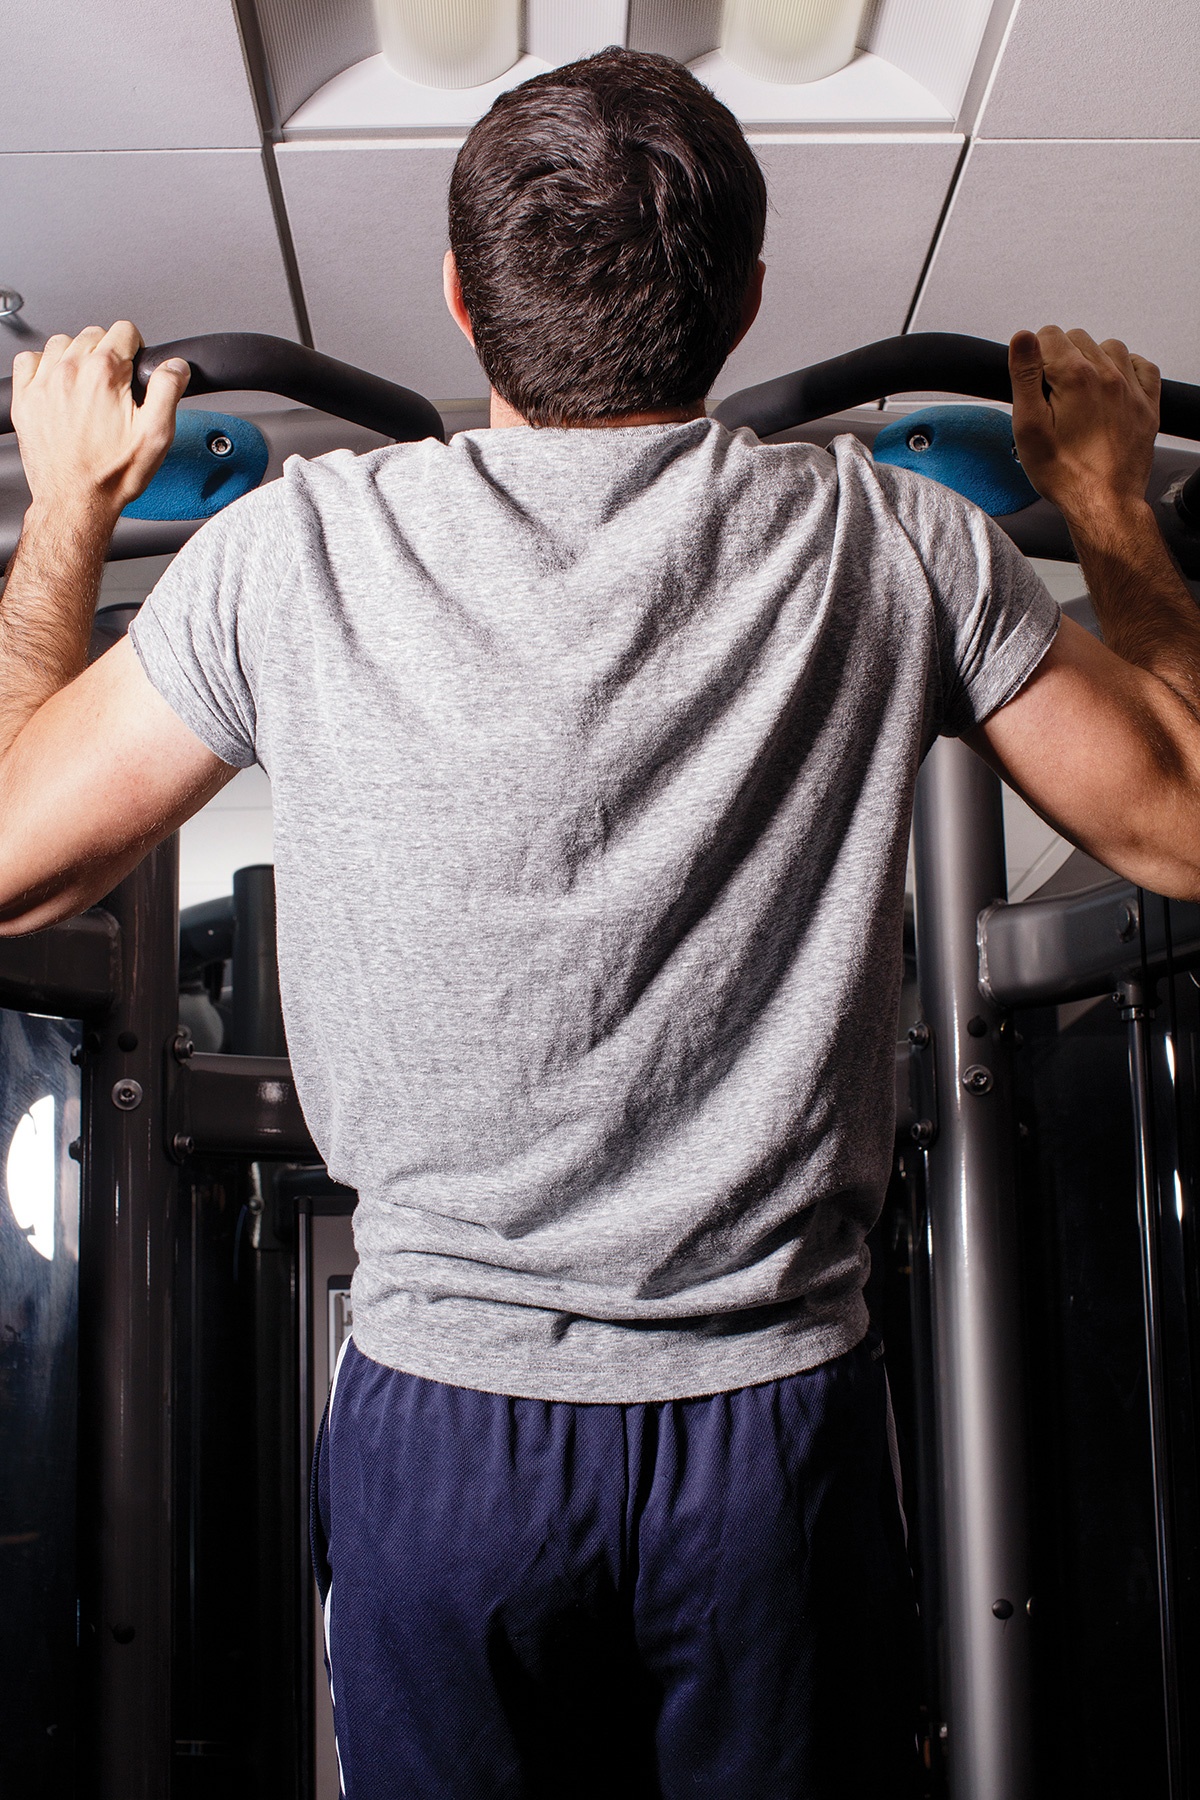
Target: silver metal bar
(959,843)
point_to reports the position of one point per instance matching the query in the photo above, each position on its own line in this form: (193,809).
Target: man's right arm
(1104,739)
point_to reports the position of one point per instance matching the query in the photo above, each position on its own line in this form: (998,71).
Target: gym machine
(1037,1269)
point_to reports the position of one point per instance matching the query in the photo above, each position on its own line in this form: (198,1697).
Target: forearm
(47,608)
(1146,613)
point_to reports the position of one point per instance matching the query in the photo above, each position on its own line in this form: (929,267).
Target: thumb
(164,390)
(1026,368)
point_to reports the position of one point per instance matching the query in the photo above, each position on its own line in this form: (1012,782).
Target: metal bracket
(916,1087)
(232,1105)
(1076,946)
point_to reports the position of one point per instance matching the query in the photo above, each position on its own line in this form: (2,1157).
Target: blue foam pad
(967,448)
(214,459)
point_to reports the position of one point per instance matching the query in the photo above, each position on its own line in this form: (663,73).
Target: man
(592,748)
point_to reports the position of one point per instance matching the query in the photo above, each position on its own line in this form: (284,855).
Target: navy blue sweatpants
(532,1600)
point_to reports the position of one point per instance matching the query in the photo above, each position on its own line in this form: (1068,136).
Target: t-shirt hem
(624,1380)
(1010,666)
(165,674)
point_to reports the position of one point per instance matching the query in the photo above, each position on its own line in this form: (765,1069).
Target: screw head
(919,440)
(918,1034)
(1002,1609)
(978,1080)
(124,1634)
(10,302)
(127,1094)
(922,1132)
(183,1144)
(1127,922)
(220,444)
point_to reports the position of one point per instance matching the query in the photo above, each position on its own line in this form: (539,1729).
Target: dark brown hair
(606,219)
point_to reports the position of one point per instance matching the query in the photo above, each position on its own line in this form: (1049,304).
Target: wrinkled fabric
(592,757)
(690,1600)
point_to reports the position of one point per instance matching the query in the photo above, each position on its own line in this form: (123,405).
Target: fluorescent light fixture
(450,43)
(790,41)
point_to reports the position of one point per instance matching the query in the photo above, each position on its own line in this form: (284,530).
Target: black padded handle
(937,361)
(249,359)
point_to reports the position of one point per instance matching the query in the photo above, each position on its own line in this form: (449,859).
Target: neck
(502,415)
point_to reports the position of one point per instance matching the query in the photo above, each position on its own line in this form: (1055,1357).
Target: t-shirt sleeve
(202,633)
(993,615)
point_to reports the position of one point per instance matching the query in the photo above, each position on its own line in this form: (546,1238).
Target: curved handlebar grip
(923,361)
(249,359)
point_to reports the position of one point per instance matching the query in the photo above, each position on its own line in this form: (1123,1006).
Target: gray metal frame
(971,1189)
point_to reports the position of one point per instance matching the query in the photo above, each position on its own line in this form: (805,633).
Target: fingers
(52,353)
(1148,377)
(25,367)
(1118,354)
(83,343)
(123,338)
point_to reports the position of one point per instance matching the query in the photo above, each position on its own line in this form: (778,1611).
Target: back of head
(606,219)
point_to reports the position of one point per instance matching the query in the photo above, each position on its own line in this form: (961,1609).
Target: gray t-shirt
(592,756)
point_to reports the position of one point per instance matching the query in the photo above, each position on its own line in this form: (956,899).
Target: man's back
(592,758)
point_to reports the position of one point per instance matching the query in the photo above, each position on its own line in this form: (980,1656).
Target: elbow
(25,909)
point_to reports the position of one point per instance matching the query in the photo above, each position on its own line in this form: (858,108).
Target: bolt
(1127,922)
(978,1080)
(127,1040)
(977,1026)
(1030,1606)
(918,1035)
(1002,1609)
(183,1145)
(182,1046)
(220,444)
(75,1149)
(78,1054)
(127,1095)
(922,1132)
(10,303)
(124,1634)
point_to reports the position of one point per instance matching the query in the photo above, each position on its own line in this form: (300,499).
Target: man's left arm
(95,767)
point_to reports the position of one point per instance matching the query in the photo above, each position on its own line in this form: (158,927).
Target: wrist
(78,513)
(1106,520)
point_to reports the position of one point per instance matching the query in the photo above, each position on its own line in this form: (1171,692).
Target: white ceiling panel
(849,227)
(1104,235)
(122,75)
(369,225)
(1107,68)
(179,241)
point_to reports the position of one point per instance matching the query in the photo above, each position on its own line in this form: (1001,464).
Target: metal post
(257,1015)
(1138,1006)
(126,1265)
(959,841)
